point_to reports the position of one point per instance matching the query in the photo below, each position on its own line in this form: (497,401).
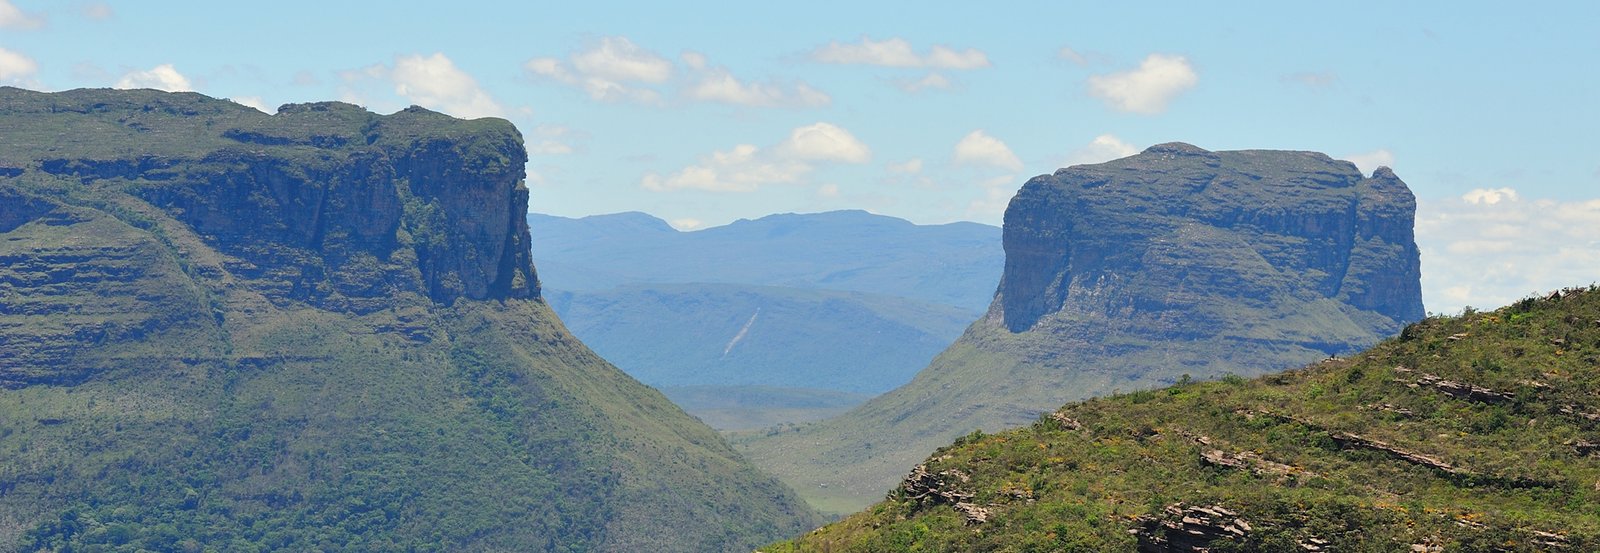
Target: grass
(1516,466)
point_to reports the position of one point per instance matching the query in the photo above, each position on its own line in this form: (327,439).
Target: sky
(708,112)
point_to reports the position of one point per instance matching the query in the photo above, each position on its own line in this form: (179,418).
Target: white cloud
(829,190)
(1068,54)
(552,140)
(824,142)
(607,71)
(1490,247)
(435,82)
(161,77)
(981,149)
(686,223)
(13,18)
(619,59)
(15,67)
(617,70)
(746,168)
(1148,89)
(98,11)
(1371,161)
(1103,148)
(1489,196)
(909,167)
(717,85)
(254,102)
(897,52)
(930,81)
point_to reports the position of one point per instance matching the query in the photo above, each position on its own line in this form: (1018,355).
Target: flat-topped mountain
(1472,433)
(315,330)
(1128,275)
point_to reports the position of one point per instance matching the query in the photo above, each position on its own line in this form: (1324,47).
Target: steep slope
(1471,433)
(955,264)
(734,335)
(1128,275)
(317,330)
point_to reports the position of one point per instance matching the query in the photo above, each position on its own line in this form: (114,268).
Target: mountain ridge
(315,330)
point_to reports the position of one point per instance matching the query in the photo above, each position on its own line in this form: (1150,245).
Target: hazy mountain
(1471,433)
(954,264)
(669,335)
(772,313)
(1127,275)
(317,330)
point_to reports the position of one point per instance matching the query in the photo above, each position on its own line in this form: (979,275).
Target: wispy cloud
(13,18)
(897,52)
(1490,247)
(615,69)
(746,167)
(433,82)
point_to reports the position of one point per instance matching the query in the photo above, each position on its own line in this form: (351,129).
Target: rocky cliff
(1176,239)
(315,330)
(1171,264)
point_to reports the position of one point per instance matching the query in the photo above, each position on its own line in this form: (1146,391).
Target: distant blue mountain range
(842,302)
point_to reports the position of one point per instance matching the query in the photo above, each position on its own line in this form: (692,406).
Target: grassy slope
(984,381)
(680,334)
(1517,464)
(735,408)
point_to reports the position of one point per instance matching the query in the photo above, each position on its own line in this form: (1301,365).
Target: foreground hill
(1127,275)
(318,330)
(1471,433)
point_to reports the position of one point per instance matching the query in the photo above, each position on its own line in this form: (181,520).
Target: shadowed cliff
(315,330)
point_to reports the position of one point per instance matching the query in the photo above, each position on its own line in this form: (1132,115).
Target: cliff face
(316,330)
(326,202)
(1136,273)
(1150,237)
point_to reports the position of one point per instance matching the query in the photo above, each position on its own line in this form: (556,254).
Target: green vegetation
(1470,433)
(734,408)
(315,331)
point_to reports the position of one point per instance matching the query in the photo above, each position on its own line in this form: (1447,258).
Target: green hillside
(1472,433)
(315,331)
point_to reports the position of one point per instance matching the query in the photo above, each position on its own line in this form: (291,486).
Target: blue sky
(930,111)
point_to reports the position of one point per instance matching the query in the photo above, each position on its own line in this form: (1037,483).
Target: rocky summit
(1176,263)
(222,330)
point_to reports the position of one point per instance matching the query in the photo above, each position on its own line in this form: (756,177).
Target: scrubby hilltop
(315,330)
(1472,433)
(1128,275)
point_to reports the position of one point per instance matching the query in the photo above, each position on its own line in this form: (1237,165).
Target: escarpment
(1149,236)
(315,330)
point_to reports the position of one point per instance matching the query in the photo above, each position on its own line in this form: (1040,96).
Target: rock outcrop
(315,330)
(1176,263)
(1150,239)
